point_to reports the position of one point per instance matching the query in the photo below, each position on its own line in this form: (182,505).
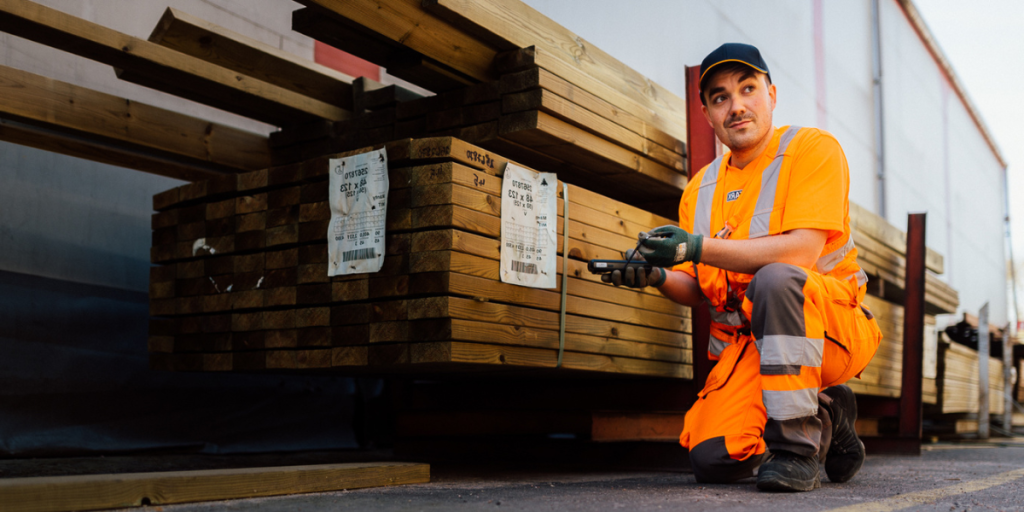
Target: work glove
(636,278)
(670,245)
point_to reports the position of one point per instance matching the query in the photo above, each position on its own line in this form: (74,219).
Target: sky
(984,43)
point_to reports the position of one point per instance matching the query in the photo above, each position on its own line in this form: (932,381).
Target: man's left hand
(671,245)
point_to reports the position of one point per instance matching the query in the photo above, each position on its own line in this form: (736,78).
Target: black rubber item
(789,472)
(846,454)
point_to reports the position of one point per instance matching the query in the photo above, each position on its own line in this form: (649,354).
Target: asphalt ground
(946,477)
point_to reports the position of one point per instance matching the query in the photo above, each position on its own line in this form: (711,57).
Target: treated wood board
(96,151)
(199,38)
(541,78)
(607,426)
(138,127)
(405,22)
(94,492)
(863,220)
(566,110)
(154,66)
(568,55)
(552,135)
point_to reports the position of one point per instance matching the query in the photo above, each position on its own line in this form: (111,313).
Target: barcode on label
(359,254)
(522,266)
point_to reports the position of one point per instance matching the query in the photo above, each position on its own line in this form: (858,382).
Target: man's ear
(771,93)
(707,117)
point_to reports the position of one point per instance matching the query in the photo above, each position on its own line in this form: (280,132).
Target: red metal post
(700,151)
(913,330)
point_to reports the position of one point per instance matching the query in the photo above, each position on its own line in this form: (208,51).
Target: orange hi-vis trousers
(808,331)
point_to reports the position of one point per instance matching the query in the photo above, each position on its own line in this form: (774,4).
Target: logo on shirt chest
(732,196)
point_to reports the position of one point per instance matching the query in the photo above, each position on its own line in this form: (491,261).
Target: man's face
(739,107)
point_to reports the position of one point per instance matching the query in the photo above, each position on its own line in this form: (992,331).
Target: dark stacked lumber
(242,283)
(598,122)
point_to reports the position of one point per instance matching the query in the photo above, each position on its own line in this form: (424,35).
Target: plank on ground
(93,492)
(154,66)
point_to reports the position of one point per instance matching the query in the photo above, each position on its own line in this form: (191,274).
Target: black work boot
(789,472)
(846,454)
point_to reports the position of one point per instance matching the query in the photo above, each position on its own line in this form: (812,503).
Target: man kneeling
(764,241)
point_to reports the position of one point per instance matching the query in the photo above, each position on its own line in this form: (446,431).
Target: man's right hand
(636,277)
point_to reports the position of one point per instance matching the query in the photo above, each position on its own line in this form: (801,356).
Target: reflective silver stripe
(784,350)
(829,261)
(787,405)
(716,346)
(759,222)
(731,318)
(705,198)
(862,278)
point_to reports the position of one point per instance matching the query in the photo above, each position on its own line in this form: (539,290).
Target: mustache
(737,118)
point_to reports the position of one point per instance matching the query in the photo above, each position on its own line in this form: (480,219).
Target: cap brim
(701,81)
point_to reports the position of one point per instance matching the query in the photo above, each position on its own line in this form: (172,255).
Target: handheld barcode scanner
(606,266)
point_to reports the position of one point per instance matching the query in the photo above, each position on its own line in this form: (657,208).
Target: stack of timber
(242,279)
(881,252)
(510,80)
(959,380)
(883,375)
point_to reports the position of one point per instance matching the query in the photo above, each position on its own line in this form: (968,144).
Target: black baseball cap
(732,52)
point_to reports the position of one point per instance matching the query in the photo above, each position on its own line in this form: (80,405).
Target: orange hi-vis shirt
(805,185)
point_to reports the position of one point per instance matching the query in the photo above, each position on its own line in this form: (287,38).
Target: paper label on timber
(529,222)
(359,205)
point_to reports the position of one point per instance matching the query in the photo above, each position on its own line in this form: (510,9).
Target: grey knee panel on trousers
(777,292)
(712,464)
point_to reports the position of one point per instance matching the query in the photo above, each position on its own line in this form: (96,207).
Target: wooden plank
(552,104)
(329,28)
(94,492)
(547,133)
(406,22)
(479,353)
(78,111)
(468,309)
(569,56)
(97,151)
(868,223)
(199,38)
(154,66)
(544,79)
(453,329)
(609,426)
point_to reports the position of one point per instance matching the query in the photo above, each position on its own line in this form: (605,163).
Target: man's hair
(728,67)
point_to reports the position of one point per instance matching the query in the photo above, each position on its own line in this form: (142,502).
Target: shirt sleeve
(818,186)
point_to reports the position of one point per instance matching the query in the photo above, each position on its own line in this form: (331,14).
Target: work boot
(846,454)
(789,472)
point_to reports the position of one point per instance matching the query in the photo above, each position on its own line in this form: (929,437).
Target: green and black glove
(670,245)
(634,277)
